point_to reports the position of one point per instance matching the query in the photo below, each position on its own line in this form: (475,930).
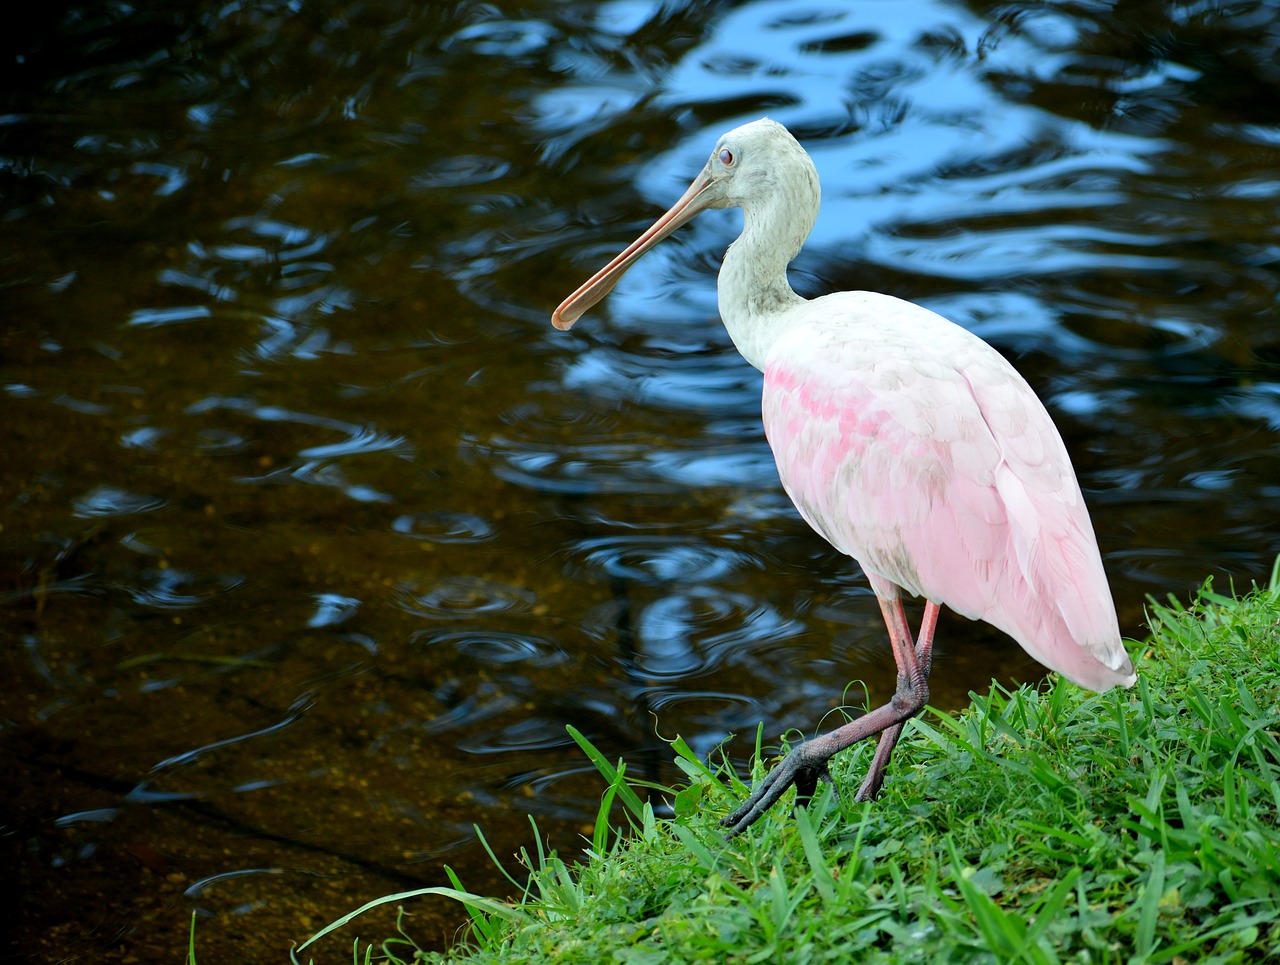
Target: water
(316,534)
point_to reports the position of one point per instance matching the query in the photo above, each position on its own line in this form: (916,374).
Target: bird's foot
(804,767)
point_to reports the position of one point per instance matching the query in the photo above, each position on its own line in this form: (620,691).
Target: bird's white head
(753,165)
(758,161)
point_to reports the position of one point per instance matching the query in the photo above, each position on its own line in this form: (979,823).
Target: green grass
(1041,825)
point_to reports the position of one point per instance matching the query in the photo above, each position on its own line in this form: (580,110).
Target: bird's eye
(726,157)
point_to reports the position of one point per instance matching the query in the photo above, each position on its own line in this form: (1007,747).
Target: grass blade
(1149,909)
(609,772)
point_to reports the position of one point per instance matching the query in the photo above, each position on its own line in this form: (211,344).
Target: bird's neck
(754,294)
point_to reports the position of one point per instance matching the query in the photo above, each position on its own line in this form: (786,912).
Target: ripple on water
(107,500)
(199,888)
(457,596)
(698,629)
(695,375)
(171,315)
(268,241)
(624,464)
(582,445)
(664,697)
(502,38)
(220,440)
(463,170)
(175,589)
(94,816)
(657,560)
(300,340)
(497,647)
(444,526)
(489,700)
(530,733)
(146,438)
(360,439)
(332,609)
(708,718)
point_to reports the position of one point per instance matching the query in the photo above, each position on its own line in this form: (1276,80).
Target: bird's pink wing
(914,447)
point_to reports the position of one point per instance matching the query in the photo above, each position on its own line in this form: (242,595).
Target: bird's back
(914,447)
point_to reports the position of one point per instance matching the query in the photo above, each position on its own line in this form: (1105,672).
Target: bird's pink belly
(848,486)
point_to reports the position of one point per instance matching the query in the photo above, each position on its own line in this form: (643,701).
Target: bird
(904,440)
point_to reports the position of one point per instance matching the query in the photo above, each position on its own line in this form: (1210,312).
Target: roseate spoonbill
(903,439)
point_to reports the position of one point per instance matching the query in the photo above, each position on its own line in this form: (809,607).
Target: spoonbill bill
(904,440)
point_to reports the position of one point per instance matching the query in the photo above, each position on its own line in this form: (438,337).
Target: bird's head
(754,162)
(751,163)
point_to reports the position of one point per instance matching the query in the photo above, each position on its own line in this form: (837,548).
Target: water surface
(316,534)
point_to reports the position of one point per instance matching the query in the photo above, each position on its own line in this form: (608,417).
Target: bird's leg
(889,736)
(807,763)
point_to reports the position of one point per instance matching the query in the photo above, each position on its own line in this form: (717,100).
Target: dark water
(316,535)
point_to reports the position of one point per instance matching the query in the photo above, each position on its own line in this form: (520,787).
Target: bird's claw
(801,767)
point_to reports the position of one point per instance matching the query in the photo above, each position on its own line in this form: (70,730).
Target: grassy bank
(1043,825)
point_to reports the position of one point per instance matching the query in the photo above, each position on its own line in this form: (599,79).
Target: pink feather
(942,473)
